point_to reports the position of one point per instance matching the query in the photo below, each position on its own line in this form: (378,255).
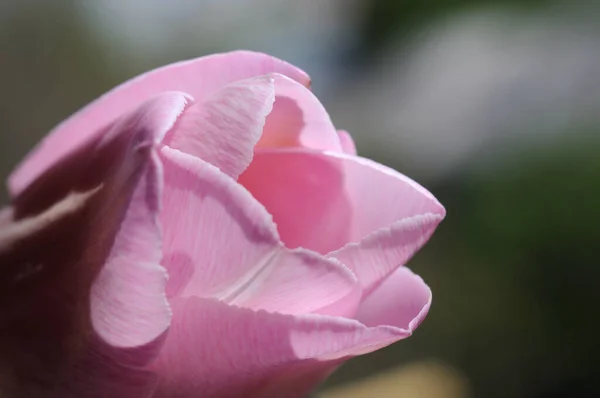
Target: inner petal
(305,195)
(298,119)
(324,200)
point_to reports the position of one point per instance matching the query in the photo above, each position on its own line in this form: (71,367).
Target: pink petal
(224,129)
(90,164)
(370,217)
(380,253)
(298,119)
(389,225)
(46,344)
(220,242)
(217,350)
(6,214)
(199,78)
(323,201)
(128,302)
(381,196)
(86,310)
(347,142)
(402,300)
(305,192)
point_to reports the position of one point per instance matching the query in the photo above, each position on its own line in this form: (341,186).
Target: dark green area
(386,19)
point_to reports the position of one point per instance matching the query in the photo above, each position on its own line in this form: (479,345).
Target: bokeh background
(494,105)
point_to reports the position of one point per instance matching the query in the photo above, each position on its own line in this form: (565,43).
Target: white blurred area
(476,88)
(469,89)
(307,33)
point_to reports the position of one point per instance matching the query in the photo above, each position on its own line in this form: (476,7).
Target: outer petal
(200,78)
(402,300)
(128,302)
(224,129)
(298,119)
(97,160)
(347,142)
(6,214)
(381,252)
(220,242)
(84,311)
(32,294)
(216,350)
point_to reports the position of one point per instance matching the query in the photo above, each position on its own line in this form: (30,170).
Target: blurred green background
(494,105)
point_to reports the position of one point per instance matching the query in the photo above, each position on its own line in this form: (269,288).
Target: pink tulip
(203,230)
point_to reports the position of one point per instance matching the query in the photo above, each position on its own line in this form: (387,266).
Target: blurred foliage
(534,227)
(387,19)
(421,379)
